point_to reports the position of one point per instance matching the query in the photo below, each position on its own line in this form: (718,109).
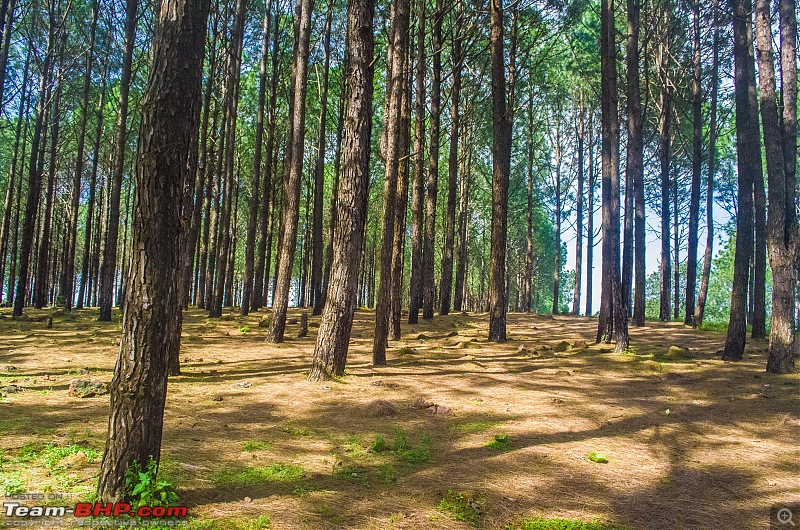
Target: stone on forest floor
(678,353)
(579,345)
(380,408)
(563,373)
(85,388)
(561,346)
(10,389)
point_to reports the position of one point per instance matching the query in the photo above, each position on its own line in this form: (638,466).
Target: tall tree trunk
(748,154)
(634,173)
(664,157)
(576,295)
(462,247)
(528,279)
(712,156)
(68,276)
(291,195)
(256,213)
(613,307)
(428,280)
(446,282)
(418,186)
(6,18)
(108,268)
(558,216)
(398,48)
(232,106)
(319,174)
(697,155)
(590,220)
(152,315)
(34,175)
(268,195)
(759,279)
(333,339)
(501,170)
(780,140)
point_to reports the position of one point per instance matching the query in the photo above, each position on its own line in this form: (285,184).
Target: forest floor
(483,432)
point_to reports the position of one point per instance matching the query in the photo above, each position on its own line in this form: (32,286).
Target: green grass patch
(501,443)
(379,444)
(463,507)
(12,483)
(537,523)
(255,445)
(357,474)
(277,472)
(297,431)
(52,455)
(387,473)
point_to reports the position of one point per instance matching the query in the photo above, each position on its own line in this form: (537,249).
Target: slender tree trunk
(108,268)
(697,155)
(712,154)
(446,282)
(7,9)
(590,221)
(333,339)
(633,252)
(256,213)
(664,157)
(428,280)
(748,154)
(418,186)
(779,140)
(576,296)
(291,195)
(68,276)
(759,280)
(501,169)
(462,247)
(558,216)
(152,316)
(398,48)
(34,175)
(319,174)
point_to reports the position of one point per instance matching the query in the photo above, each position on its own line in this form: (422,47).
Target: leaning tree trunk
(152,315)
(501,170)
(418,186)
(291,195)
(333,339)
(782,231)
(108,268)
(748,154)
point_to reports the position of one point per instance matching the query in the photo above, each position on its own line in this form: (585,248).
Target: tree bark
(748,154)
(432,186)
(634,258)
(319,174)
(108,268)
(697,161)
(782,230)
(501,169)
(462,247)
(576,295)
(590,221)
(664,157)
(330,352)
(418,186)
(291,194)
(152,314)
(446,281)
(398,48)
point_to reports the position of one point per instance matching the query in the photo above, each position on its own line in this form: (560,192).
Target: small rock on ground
(380,408)
(85,388)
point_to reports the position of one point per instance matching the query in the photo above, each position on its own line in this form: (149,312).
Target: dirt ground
(690,441)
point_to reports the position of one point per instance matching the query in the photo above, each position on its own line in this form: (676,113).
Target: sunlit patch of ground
(691,441)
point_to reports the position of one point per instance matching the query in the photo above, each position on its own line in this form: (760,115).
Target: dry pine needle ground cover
(453,428)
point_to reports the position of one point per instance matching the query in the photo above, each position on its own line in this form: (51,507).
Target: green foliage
(387,473)
(255,445)
(297,431)
(501,443)
(52,454)
(400,439)
(379,445)
(463,507)
(276,472)
(144,487)
(12,483)
(244,329)
(537,523)
(598,458)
